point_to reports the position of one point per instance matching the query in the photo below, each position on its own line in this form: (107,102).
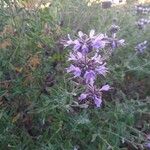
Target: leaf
(5,84)
(6,43)
(6,1)
(83,120)
(18,69)
(15,118)
(94,136)
(39,45)
(8,29)
(34,62)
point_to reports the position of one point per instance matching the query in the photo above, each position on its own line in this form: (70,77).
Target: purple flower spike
(140,48)
(94,94)
(85,43)
(75,70)
(69,42)
(87,63)
(90,77)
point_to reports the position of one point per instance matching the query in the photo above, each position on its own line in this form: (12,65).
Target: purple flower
(112,41)
(114,29)
(83,96)
(75,70)
(97,42)
(75,56)
(141,47)
(121,42)
(115,43)
(97,100)
(85,43)
(89,77)
(105,88)
(77,45)
(147,145)
(102,70)
(93,94)
(87,64)
(142,9)
(72,57)
(97,59)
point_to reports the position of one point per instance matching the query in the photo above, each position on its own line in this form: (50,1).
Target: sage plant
(140,48)
(140,9)
(86,64)
(114,42)
(142,23)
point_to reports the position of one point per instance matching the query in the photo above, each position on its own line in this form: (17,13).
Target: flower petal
(72,57)
(98,42)
(89,77)
(75,70)
(105,88)
(102,70)
(80,33)
(83,96)
(97,58)
(77,45)
(92,32)
(98,101)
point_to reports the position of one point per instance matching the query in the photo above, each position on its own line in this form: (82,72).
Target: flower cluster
(143,22)
(87,64)
(141,47)
(85,43)
(114,29)
(87,67)
(95,94)
(142,9)
(113,41)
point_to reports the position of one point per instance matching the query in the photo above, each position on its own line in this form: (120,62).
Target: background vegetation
(38,104)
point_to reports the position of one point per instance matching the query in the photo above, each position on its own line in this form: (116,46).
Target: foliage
(38,102)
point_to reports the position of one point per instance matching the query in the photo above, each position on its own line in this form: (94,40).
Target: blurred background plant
(38,107)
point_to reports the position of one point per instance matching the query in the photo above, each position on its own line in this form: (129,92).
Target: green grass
(38,102)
